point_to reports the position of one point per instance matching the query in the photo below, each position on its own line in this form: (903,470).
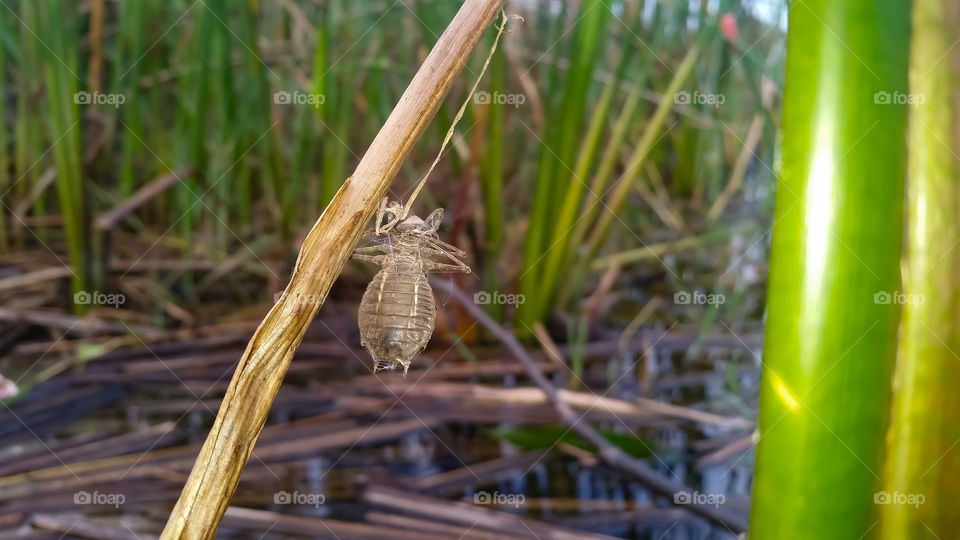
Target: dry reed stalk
(324,252)
(563,402)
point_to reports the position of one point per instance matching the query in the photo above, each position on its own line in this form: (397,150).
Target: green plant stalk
(491,181)
(587,48)
(557,248)
(640,154)
(65,127)
(578,327)
(431,15)
(131,38)
(28,128)
(581,257)
(554,176)
(4,148)
(318,84)
(22,148)
(608,161)
(830,341)
(224,107)
(255,94)
(559,240)
(338,107)
(925,421)
(709,162)
(335,150)
(192,123)
(552,101)
(556,34)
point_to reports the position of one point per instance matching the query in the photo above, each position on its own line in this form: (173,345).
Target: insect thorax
(397,312)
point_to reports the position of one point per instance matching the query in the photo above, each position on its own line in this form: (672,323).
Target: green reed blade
(922,466)
(830,339)
(560,147)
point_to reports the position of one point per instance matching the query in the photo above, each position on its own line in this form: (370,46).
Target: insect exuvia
(397,312)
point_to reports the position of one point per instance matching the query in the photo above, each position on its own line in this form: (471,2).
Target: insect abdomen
(396,316)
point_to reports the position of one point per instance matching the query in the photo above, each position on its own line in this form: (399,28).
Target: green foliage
(200,83)
(546,437)
(58,20)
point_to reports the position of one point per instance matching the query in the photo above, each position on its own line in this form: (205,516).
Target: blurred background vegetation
(602,128)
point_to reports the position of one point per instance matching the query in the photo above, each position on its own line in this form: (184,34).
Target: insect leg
(380,211)
(442,246)
(444,261)
(373,259)
(443,268)
(368,250)
(369,235)
(394,210)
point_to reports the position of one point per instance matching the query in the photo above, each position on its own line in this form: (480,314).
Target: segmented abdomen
(397,315)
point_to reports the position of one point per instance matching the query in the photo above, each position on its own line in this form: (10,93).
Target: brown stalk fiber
(324,252)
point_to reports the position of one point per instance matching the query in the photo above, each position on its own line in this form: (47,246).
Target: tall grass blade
(559,146)
(60,67)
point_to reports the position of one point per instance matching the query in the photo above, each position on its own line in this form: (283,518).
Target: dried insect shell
(397,312)
(397,315)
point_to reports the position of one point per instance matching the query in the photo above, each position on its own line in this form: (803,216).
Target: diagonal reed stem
(323,254)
